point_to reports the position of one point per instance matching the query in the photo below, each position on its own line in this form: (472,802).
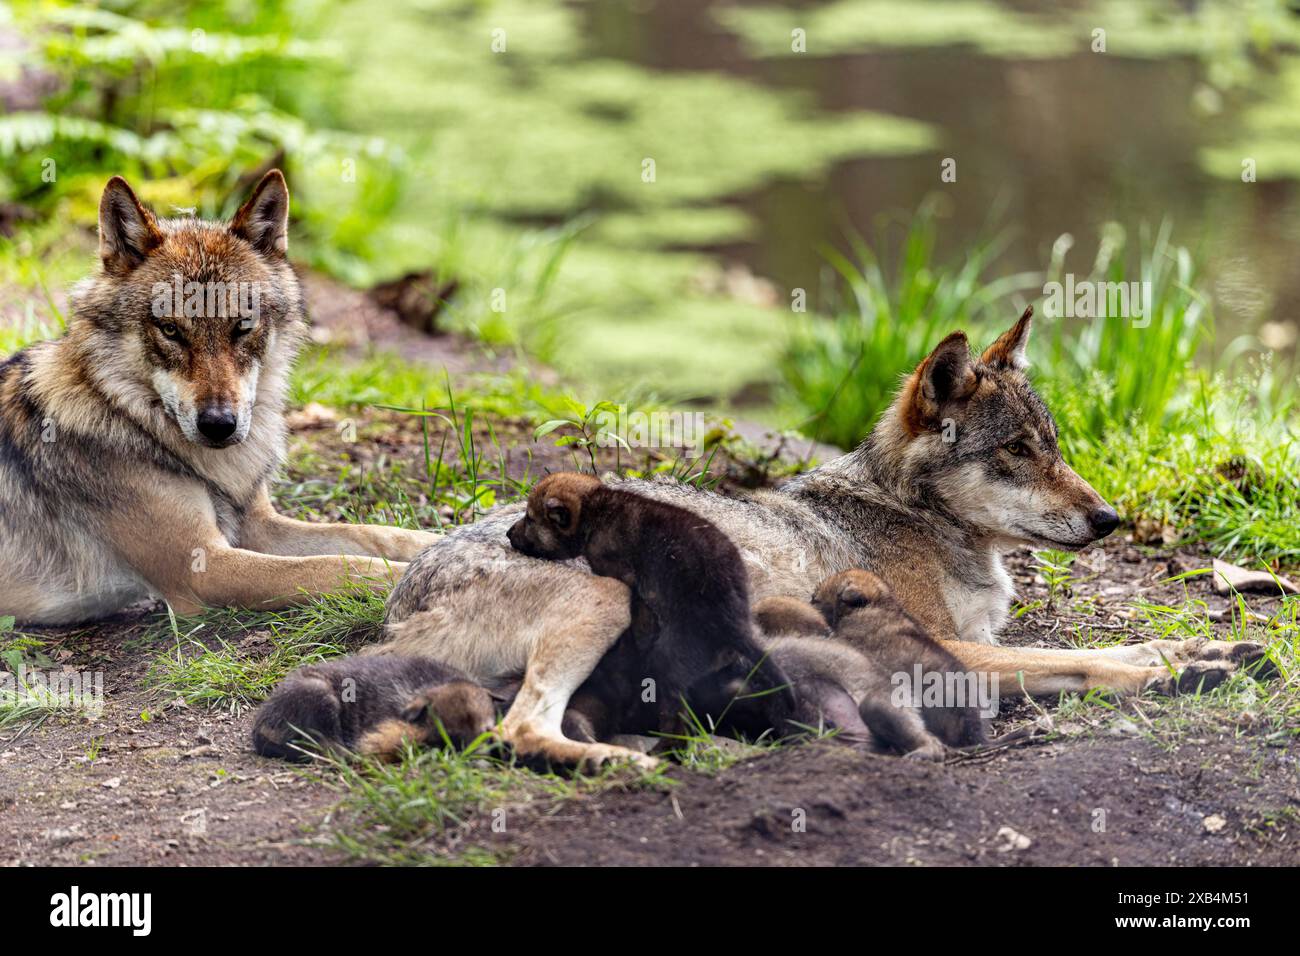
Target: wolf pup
(370,705)
(838,686)
(690,616)
(864,614)
(135,451)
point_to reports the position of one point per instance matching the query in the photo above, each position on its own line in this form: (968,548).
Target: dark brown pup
(371,705)
(690,632)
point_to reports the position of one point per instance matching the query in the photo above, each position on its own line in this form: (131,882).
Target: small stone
(1009,840)
(112,783)
(1214,823)
(60,837)
(1123,727)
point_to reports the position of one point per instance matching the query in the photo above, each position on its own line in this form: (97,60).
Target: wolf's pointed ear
(1009,350)
(127,230)
(263,219)
(944,376)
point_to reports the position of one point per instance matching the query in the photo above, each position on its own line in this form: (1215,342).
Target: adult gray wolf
(135,450)
(962,467)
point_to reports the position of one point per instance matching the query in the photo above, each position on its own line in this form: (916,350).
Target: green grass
(228,659)
(842,371)
(419,809)
(1221,470)
(1266,711)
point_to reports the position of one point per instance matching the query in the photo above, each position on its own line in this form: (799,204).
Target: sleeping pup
(370,705)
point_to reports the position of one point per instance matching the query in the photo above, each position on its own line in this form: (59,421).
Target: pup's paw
(931,750)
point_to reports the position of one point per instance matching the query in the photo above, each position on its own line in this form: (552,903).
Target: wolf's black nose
(216,424)
(1103,521)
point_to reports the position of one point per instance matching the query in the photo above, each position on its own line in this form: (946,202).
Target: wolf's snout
(217,424)
(1103,521)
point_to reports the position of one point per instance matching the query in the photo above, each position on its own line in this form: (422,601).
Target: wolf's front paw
(1196,677)
(1242,654)
(604,755)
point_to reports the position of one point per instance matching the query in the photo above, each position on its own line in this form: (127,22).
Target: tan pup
(840,686)
(864,615)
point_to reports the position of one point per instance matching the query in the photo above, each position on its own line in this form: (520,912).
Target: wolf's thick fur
(135,451)
(962,467)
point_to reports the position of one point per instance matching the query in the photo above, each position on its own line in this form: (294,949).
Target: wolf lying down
(695,649)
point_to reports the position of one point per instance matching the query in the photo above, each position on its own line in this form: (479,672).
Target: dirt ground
(183,787)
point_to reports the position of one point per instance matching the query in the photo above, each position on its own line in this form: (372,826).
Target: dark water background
(1043,147)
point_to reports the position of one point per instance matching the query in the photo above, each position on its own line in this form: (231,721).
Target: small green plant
(418,809)
(230,659)
(586,422)
(1056,570)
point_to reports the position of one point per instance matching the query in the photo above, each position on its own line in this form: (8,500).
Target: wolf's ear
(944,376)
(263,219)
(1009,350)
(127,230)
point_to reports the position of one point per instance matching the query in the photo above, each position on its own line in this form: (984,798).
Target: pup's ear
(945,376)
(561,512)
(1009,350)
(127,230)
(851,596)
(417,710)
(263,219)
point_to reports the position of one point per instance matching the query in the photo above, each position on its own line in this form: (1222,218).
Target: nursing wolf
(961,468)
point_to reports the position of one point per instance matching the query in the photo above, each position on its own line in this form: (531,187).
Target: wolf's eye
(1017,448)
(169,330)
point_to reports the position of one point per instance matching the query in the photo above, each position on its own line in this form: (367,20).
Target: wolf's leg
(570,645)
(170,537)
(479,605)
(1048,671)
(266,531)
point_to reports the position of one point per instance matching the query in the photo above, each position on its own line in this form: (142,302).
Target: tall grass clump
(1135,368)
(842,370)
